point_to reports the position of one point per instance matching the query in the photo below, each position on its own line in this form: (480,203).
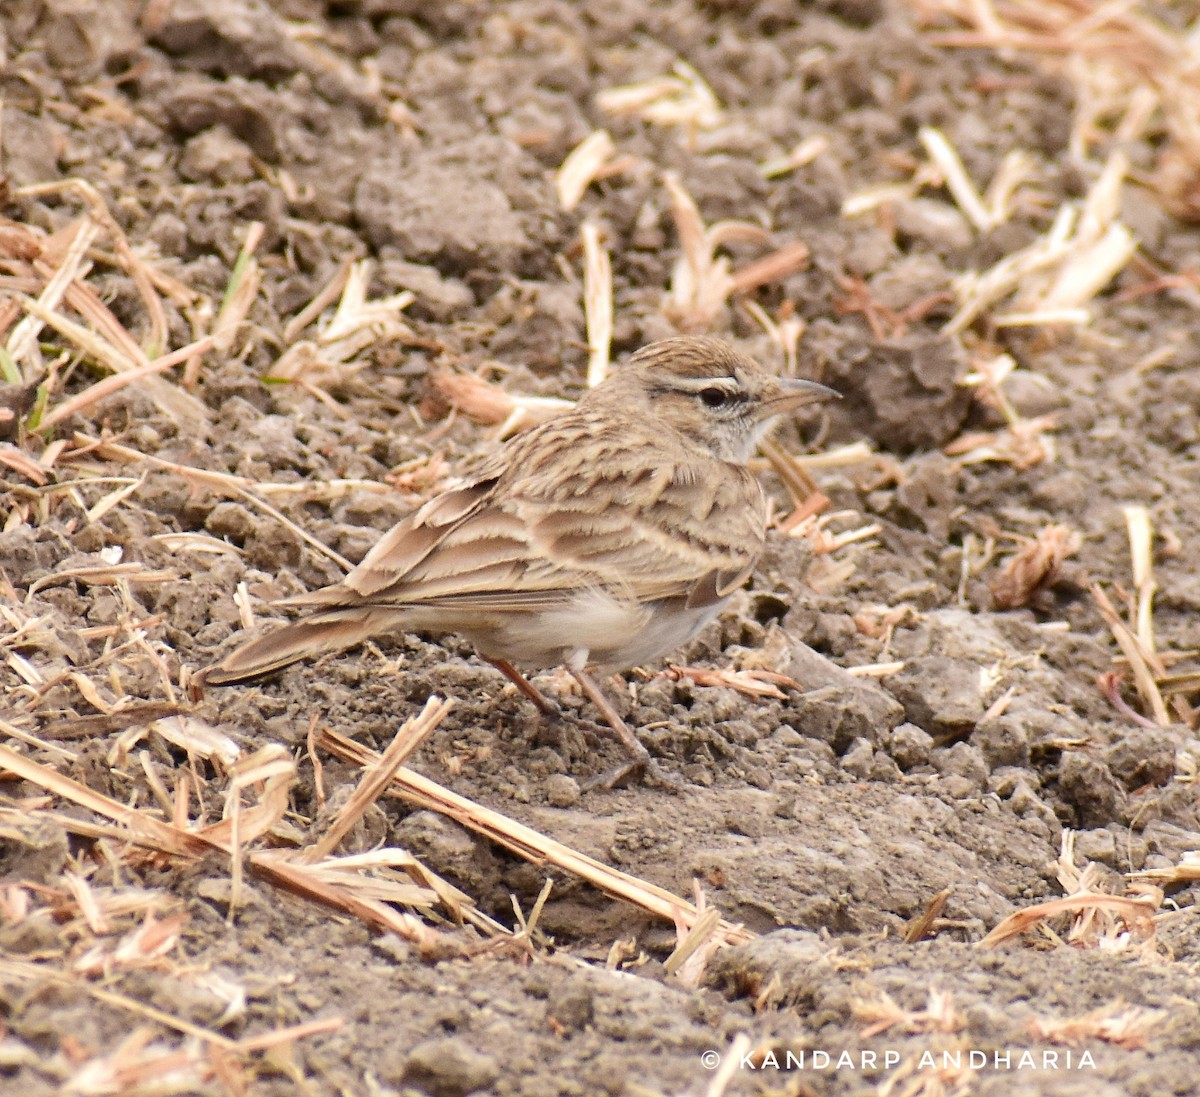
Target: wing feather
(554,518)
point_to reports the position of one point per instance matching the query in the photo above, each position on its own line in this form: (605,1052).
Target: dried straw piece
(698,943)
(377,776)
(20,462)
(1035,567)
(729,1064)
(527,842)
(882,1013)
(139,827)
(1117,1023)
(38,973)
(823,541)
(1098,918)
(1133,75)
(273,769)
(597,303)
(120,379)
(750,683)
(23,341)
(1138,643)
(1054,279)
(308,882)
(1186,872)
(681,99)
(21,736)
(141,1066)
(85,301)
(143,946)
(958,183)
(1141,535)
(921,927)
(132,715)
(335,354)
(1136,913)
(223,483)
(486,402)
(1024,444)
(104,575)
(142,274)
(800,156)
(1145,665)
(701,281)
(771,268)
(876,670)
(325,297)
(584,164)
(240,291)
(203,544)
(785,329)
(806,497)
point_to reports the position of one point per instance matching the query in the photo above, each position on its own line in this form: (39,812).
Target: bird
(603,538)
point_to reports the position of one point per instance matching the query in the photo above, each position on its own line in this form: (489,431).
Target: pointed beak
(795,392)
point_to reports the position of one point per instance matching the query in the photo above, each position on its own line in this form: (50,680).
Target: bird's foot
(646,769)
(640,761)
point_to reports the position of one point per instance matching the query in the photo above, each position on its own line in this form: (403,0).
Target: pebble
(909,745)
(562,790)
(859,759)
(449,1067)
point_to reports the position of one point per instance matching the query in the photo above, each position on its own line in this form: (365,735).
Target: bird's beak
(795,392)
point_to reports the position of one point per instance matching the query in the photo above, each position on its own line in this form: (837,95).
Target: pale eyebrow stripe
(698,384)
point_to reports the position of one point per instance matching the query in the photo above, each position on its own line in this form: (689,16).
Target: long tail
(331,630)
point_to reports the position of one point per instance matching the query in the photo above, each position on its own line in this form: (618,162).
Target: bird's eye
(714,397)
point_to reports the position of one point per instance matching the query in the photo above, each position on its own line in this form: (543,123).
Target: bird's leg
(639,760)
(546,708)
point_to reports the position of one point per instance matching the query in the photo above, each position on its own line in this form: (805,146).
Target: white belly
(596,628)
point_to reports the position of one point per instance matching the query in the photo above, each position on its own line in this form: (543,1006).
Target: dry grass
(680,99)
(1088,916)
(108,930)
(1135,77)
(597,303)
(1118,1023)
(1034,567)
(48,289)
(113,930)
(487,402)
(880,1013)
(1048,283)
(703,281)
(1186,872)
(167,827)
(592,160)
(336,351)
(942,1070)
(1162,694)
(528,843)
(801,155)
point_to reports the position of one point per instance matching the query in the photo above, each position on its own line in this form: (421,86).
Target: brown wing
(404,547)
(571,508)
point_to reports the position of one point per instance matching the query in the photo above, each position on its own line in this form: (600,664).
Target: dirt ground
(826,819)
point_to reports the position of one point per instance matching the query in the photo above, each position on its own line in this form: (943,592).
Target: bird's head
(708,391)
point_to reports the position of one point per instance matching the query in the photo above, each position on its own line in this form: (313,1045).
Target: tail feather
(303,639)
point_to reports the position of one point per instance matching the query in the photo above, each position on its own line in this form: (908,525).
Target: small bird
(605,537)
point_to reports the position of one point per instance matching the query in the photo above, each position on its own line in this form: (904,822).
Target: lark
(600,540)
